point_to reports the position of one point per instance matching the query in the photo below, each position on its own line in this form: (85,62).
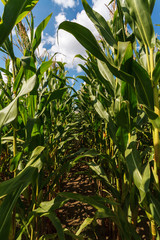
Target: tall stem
(148,62)
(153,230)
(14,130)
(14,150)
(156,140)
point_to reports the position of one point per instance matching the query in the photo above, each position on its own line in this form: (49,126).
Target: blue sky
(70,10)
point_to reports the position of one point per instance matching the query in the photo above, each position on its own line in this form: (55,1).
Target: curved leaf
(133,164)
(143,85)
(140,11)
(13,188)
(87,40)
(106,73)
(28,6)
(85,37)
(6,209)
(38,32)
(11,12)
(57,224)
(100,24)
(9,113)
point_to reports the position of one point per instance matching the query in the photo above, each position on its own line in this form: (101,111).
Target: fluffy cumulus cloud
(60,18)
(67,46)
(65,3)
(101,7)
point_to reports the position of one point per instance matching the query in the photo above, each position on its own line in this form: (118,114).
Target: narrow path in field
(73,213)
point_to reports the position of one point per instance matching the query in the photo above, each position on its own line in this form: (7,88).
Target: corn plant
(134,69)
(26,104)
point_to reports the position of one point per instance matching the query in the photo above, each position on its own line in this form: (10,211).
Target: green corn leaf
(86,222)
(25,177)
(155,209)
(101,174)
(140,11)
(81,57)
(23,113)
(18,79)
(125,52)
(106,73)
(29,66)
(38,33)
(34,159)
(125,227)
(13,188)
(32,103)
(121,19)
(14,12)
(9,113)
(112,128)
(57,94)
(8,73)
(154,119)
(27,86)
(100,24)
(8,47)
(14,162)
(102,209)
(85,79)
(88,41)
(46,209)
(94,67)
(99,108)
(86,70)
(6,209)
(123,117)
(44,67)
(85,37)
(156,72)
(57,224)
(122,138)
(28,6)
(145,182)
(50,206)
(11,12)
(133,163)
(20,233)
(151,5)
(32,27)
(143,85)
(130,98)
(90,153)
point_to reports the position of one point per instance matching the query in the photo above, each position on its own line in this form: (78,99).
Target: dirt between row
(73,213)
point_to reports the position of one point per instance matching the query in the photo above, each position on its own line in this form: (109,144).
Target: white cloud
(68,46)
(65,3)
(100,7)
(60,18)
